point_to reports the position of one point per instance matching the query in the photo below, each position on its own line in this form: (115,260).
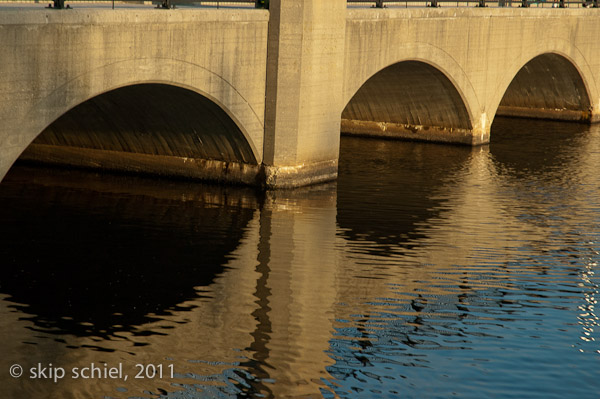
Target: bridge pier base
(145,164)
(566,115)
(181,167)
(391,130)
(300,175)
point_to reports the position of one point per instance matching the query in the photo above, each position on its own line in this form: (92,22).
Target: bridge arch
(555,82)
(207,91)
(153,119)
(409,93)
(416,86)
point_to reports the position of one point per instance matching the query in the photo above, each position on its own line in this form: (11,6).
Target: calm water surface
(424,271)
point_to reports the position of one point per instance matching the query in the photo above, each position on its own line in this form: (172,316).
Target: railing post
(166,4)
(261,4)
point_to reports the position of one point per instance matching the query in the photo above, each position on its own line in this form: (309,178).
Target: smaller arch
(548,86)
(411,100)
(153,119)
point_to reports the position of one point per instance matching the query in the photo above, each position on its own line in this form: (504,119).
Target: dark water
(424,271)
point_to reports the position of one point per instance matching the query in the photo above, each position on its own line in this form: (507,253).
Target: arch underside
(409,100)
(154,128)
(547,87)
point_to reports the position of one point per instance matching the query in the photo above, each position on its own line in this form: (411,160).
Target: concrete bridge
(260,97)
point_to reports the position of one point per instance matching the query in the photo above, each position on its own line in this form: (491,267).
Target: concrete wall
(480,52)
(53,61)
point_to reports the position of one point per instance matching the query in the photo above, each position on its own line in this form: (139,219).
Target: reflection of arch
(361,198)
(557,79)
(89,84)
(409,93)
(170,239)
(153,119)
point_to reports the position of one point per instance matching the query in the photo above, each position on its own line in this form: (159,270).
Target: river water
(424,271)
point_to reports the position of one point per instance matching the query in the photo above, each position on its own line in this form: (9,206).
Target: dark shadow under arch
(547,87)
(154,119)
(409,93)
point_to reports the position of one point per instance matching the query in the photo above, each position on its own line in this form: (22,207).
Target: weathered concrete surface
(467,55)
(140,163)
(53,61)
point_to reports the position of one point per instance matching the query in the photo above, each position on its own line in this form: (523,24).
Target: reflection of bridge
(292,271)
(257,96)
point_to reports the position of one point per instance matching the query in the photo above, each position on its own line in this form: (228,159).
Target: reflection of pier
(295,268)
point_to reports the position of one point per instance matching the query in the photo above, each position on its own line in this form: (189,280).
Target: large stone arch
(554,81)
(153,119)
(459,117)
(50,105)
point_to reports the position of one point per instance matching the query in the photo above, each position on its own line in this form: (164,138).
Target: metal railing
(481,3)
(217,3)
(167,4)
